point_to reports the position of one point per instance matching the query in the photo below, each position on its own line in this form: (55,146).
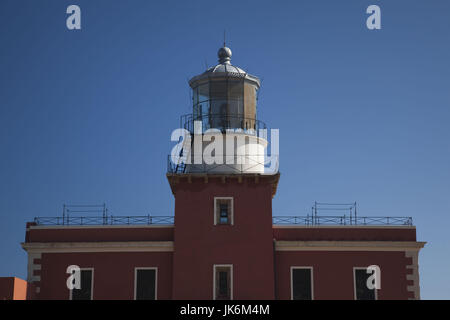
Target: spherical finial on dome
(224,55)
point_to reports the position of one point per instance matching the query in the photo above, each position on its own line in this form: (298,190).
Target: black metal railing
(250,163)
(223,122)
(105,220)
(341,220)
(277,220)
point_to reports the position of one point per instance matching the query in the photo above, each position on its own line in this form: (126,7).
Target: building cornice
(126,246)
(176,178)
(348,245)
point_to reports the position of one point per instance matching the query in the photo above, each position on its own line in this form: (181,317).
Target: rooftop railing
(248,163)
(312,220)
(277,220)
(223,122)
(105,220)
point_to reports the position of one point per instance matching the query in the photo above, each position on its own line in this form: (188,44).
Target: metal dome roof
(224,69)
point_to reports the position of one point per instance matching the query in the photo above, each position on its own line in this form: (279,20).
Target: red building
(223,242)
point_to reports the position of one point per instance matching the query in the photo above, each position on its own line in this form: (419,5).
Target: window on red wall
(86,286)
(223,211)
(362,291)
(223,282)
(145,283)
(301,283)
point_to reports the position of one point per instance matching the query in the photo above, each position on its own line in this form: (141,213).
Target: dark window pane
(223,213)
(145,284)
(301,284)
(203,92)
(218,90)
(235,90)
(195,96)
(84,293)
(223,283)
(218,117)
(362,291)
(235,113)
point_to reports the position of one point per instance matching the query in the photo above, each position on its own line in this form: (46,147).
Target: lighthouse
(223,194)
(223,241)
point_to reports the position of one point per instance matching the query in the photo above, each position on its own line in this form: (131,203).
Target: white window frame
(214,279)
(156,279)
(354,282)
(231,213)
(292,278)
(92,282)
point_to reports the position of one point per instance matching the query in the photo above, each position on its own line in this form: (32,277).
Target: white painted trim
(415,288)
(354,282)
(156,279)
(32,266)
(232,209)
(214,279)
(128,246)
(296,226)
(312,280)
(92,282)
(348,245)
(116,226)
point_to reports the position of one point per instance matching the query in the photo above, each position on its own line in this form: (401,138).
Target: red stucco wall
(247,245)
(113,273)
(333,272)
(345,233)
(87,233)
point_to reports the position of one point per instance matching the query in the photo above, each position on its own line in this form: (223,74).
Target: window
(362,292)
(301,283)
(223,210)
(145,283)
(86,286)
(223,282)
(203,92)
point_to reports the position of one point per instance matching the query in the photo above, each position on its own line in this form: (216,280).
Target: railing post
(64,212)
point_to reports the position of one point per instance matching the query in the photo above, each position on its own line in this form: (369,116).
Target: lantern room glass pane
(224,104)
(195,96)
(203,92)
(235,90)
(218,90)
(218,115)
(235,113)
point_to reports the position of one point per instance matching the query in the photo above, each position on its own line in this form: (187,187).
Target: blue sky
(86,116)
